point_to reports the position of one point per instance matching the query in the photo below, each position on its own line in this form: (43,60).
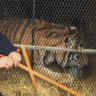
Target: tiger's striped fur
(59,36)
(48,34)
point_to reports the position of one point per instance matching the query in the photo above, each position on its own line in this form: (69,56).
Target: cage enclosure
(61,30)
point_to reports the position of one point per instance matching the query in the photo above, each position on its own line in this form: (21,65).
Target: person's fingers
(9,64)
(15,55)
(18,58)
(10,60)
(6,66)
(15,63)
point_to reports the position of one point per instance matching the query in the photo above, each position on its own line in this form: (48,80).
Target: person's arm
(12,58)
(5,46)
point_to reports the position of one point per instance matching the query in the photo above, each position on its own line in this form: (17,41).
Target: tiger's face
(75,64)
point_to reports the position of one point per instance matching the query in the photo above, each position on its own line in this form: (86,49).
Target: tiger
(55,35)
(72,64)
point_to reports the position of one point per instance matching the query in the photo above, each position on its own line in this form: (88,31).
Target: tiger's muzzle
(78,72)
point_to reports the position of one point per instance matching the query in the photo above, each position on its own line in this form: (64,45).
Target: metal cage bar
(92,51)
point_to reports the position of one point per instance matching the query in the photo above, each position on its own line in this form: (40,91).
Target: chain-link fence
(51,24)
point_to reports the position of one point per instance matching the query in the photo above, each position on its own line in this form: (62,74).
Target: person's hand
(16,57)
(6,62)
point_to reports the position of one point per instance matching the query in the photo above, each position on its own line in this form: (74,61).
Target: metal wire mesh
(79,13)
(52,23)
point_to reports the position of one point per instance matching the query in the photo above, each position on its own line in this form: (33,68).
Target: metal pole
(93,51)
